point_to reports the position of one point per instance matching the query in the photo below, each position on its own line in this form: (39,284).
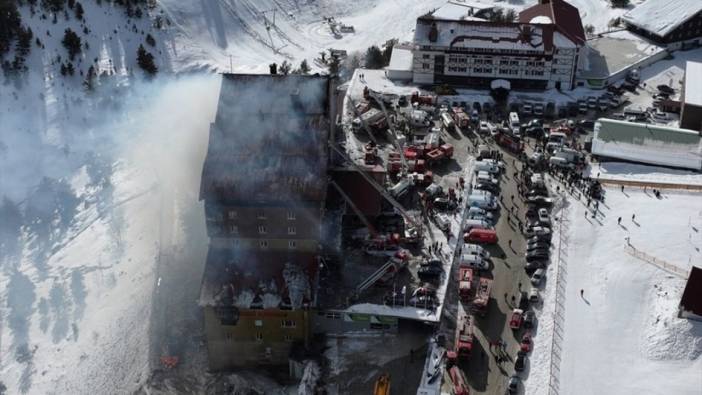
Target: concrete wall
(259,337)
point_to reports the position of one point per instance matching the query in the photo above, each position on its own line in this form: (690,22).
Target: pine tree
(70,69)
(72,43)
(89,82)
(304,67)
(64,70)
(79,11)
(146,61)
(387,51)
(150,40)
(374,58)
(285,68)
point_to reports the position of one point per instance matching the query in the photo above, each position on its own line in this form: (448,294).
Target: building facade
(539,51)
(264,189)
(691,98)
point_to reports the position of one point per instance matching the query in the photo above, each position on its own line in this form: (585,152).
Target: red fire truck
(465,284)
(482,296)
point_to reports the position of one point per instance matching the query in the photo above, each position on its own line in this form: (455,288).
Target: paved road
(484,375)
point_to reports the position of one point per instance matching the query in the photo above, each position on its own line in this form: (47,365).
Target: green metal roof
(609,130)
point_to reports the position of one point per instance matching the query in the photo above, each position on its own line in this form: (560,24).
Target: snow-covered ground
(90,193)
(622,335)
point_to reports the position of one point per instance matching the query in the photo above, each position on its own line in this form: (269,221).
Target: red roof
(565,16)
(692,296)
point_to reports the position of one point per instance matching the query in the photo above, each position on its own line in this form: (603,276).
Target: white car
(534,296)
(475,249)
(537,277)
(473,262)
(479,211)
(537,231)
(443,222)
(484,128)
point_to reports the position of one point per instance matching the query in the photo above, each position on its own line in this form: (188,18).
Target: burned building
(264,187)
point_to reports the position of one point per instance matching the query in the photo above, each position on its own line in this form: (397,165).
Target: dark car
(433,262)
(523,301)
(541,237)
(520,363)
(587,124)
(485,186)
(539,245)
(532,212)
(666,89)
(540,201)
(540,255)
(429,271)
(402,101)
(513,384)
(532,266)
(529,319)
(444,204)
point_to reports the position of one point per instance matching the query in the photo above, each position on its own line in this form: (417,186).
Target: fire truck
(464,335)
(482,296)
(512,143)
(465,284)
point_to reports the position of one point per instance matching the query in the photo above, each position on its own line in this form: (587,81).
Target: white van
(475,224)
(473,261)
(475,249)
(485,166)
(484,176)
(560,162)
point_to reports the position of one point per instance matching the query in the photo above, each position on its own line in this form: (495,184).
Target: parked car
(473,262)
(515,321)
(443,222)
(540,201)
(666,89)
(537,230)
(526,344)
(534,296)
(484,128)
(544,216)
(537,277)
(487,186)
(529,319)
(432,262)
(538,245)
(475,249)
(429,271)
(444,204)
(537,255)
(520,362)
(532,266)
(513,384)
(545,238)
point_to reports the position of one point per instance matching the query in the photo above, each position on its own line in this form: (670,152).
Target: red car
(526,343)
(515,322)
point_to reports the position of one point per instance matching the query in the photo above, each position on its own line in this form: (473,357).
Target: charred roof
(268,141)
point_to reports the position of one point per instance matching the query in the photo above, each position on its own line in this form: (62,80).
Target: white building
(539,51)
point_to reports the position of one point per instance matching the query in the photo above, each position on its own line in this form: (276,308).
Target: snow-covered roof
(474,34)
(460,10)
(543,19)
(401,59)
(662,16)
(645,143)
(693,83)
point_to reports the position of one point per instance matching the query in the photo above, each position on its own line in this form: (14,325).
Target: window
(425,56)
(232,214)
(236,243)
(292,244)
(233,229)
(229,336)
(263,244)
(259,337)
(287,338)
(292,230)
(291,216)
(258,323)
(287,324)
(262,229)
(261,215)
(425,66)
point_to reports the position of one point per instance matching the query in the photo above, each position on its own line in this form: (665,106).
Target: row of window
(261,215)
(258,337)
(263,244)
(262,230)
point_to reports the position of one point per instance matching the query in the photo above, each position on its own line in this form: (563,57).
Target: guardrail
(660,263)
(559,307)
(653,185)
